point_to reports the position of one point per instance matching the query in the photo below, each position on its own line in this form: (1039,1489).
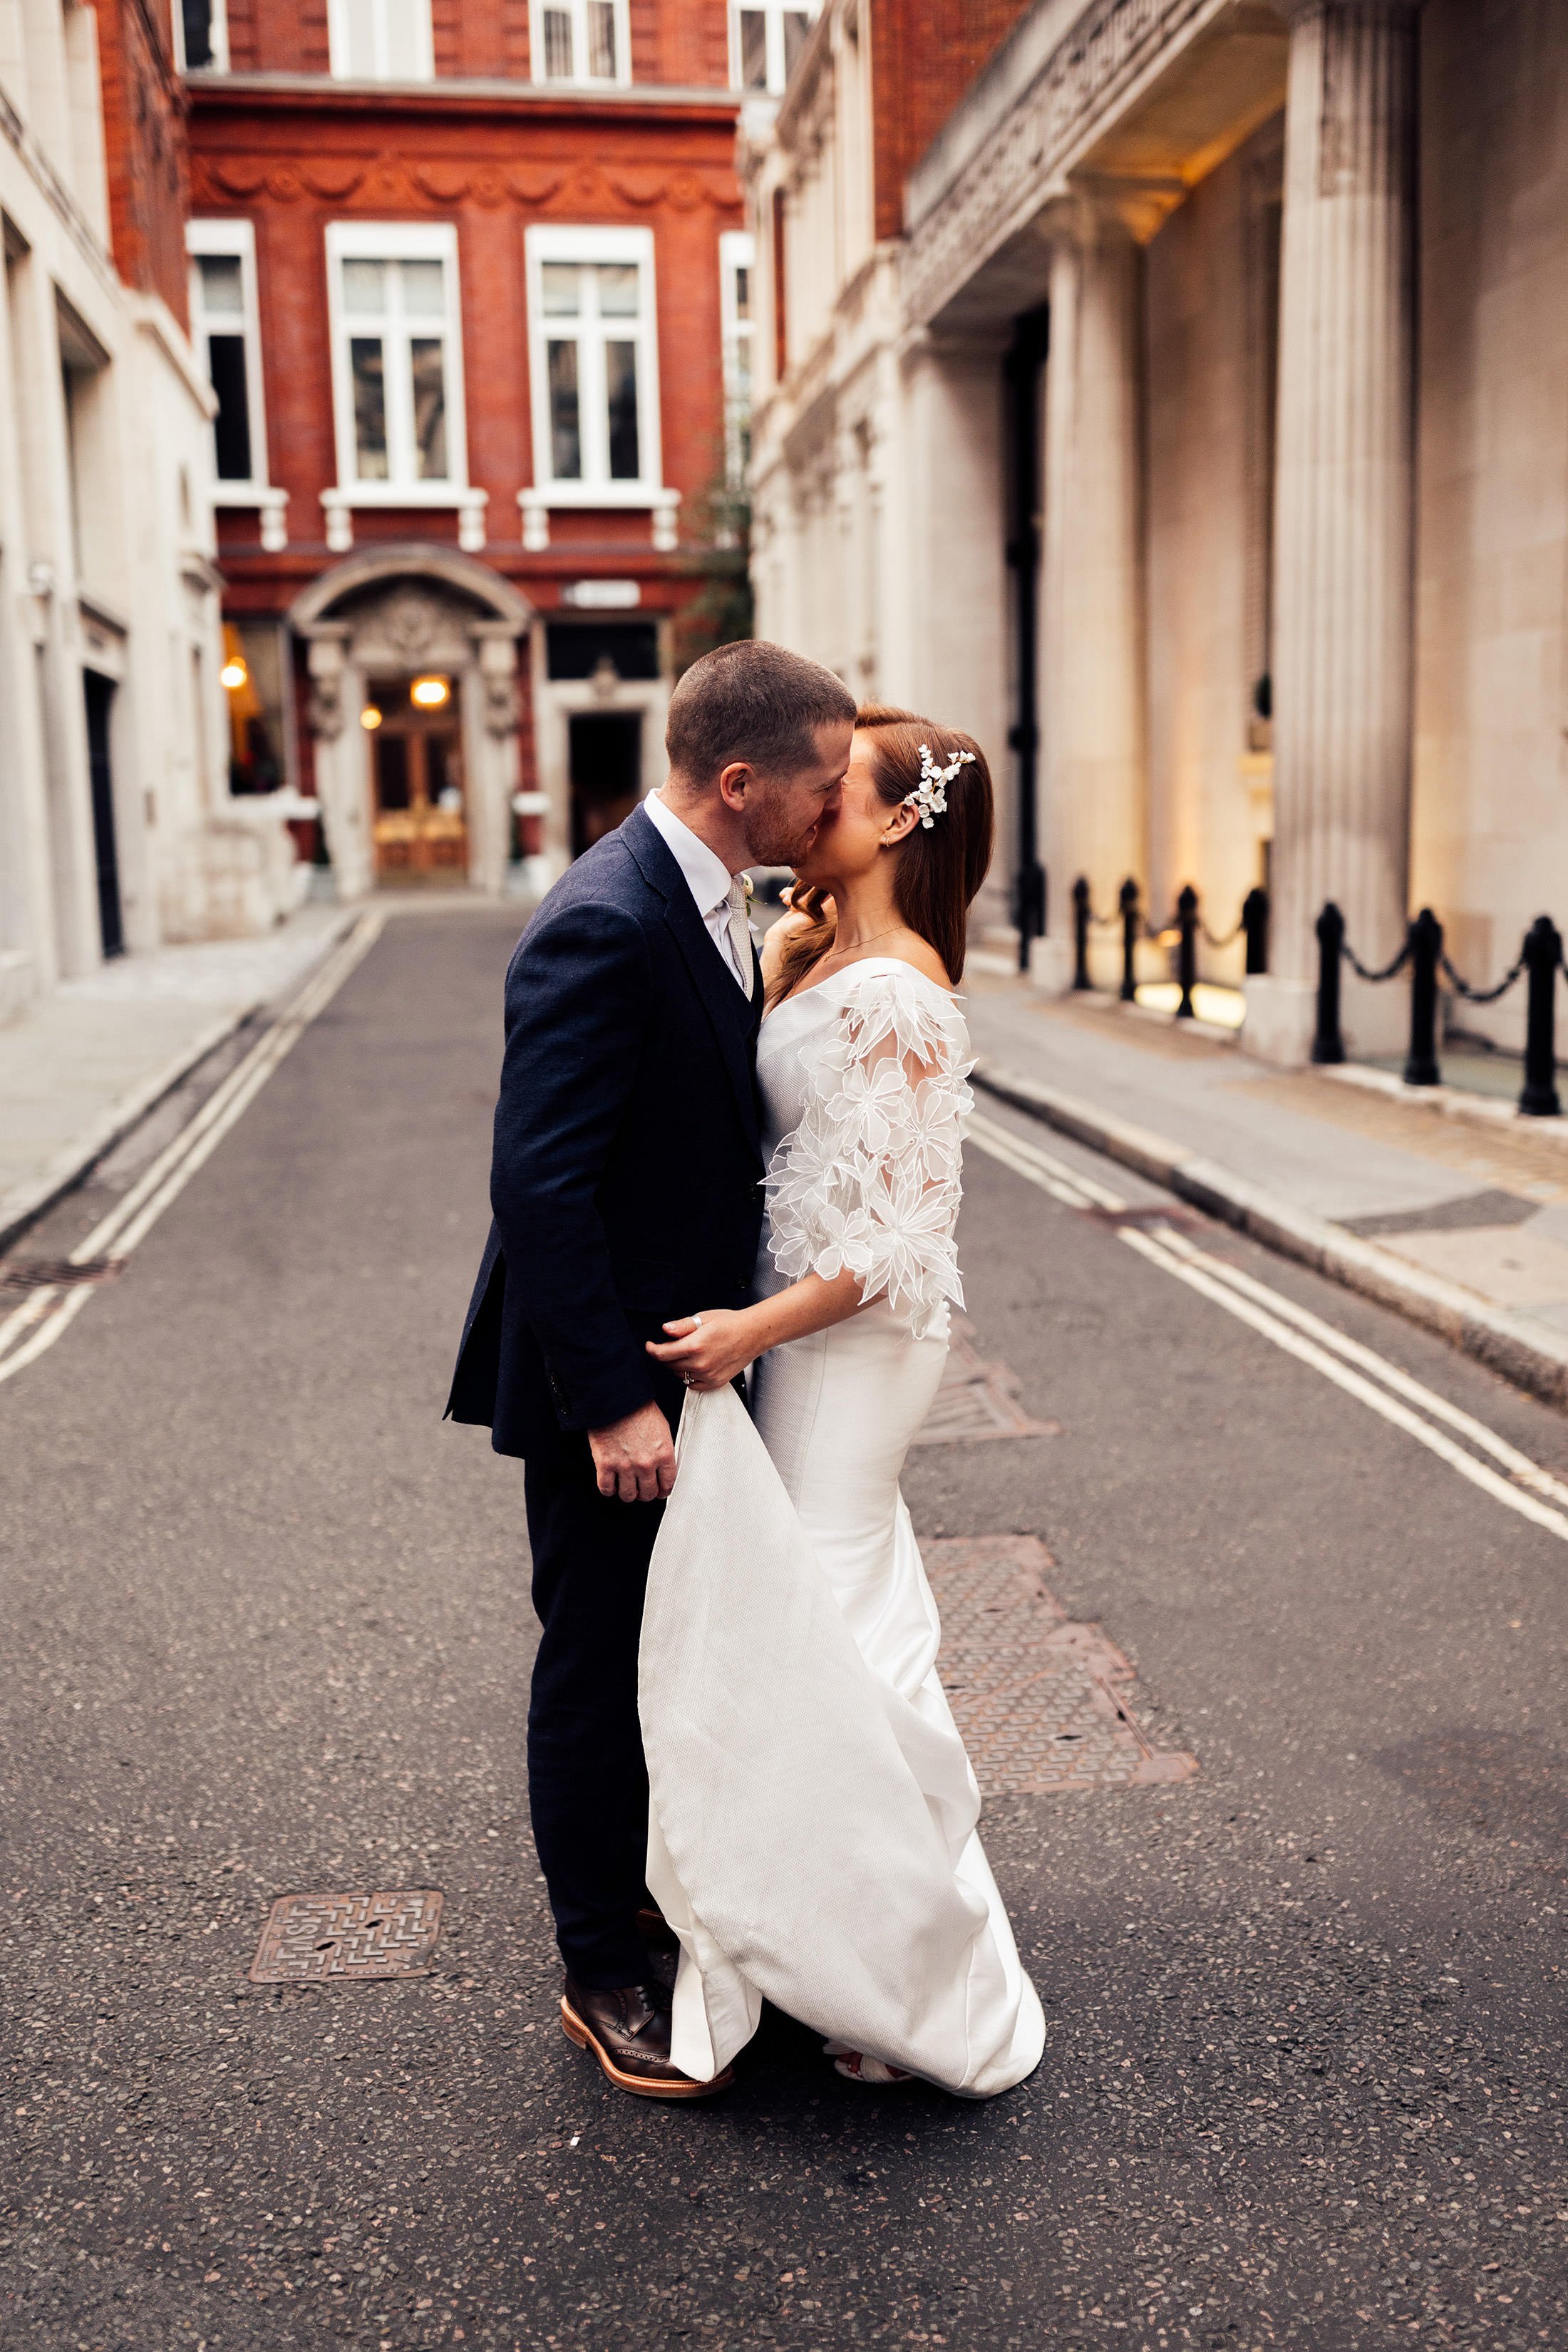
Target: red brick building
(473,288)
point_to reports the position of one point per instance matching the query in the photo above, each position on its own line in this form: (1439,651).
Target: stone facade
(1287,600)
(117,830)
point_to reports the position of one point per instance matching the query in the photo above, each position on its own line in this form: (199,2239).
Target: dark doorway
(607,772)
(99,692)
(1024,377)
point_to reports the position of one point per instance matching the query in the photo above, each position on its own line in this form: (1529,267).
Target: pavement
(1443,1202)
(93,1056)
(266,1627)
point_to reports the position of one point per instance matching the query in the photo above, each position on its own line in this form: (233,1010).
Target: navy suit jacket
(626,1181)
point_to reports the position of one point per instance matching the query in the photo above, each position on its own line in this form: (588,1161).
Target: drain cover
(312,1938)
(1045,1706)
(977,1400)
(57,1273)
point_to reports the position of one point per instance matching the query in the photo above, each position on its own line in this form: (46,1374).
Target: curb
(26,1203)
(1528,1355)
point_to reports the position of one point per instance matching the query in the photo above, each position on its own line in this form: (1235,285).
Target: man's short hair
(752,701)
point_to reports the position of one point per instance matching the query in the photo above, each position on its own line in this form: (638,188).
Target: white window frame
(338,45)
(219,22)
(554,243)
(775,11)
(578,12)
(736,251)
(235,240)
(395,241)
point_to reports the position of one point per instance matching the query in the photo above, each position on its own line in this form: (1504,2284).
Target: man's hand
(635,1458)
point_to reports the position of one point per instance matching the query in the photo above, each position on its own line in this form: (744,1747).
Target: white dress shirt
(707,877)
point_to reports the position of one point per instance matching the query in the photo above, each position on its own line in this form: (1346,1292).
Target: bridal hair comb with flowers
(930,795)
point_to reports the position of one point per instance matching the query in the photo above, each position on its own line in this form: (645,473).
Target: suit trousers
(587,1781)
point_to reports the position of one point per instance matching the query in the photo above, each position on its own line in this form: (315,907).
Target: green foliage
(722,610)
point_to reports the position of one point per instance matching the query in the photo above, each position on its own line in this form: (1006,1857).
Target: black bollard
(1128,902)
(1187,950)
(1543,961)
(1080,978)
(1255,924)
(1328,1045)
(1425,947)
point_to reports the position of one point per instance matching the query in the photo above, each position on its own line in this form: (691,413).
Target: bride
(812,1832)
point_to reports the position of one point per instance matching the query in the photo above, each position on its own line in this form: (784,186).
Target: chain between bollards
(1540,957)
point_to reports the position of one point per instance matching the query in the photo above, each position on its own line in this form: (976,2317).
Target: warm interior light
(234,674)
(429,693)
(370,716)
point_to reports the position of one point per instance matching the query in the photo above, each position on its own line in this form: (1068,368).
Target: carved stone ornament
(1101,55)
(410,622)
(325,712)
(500,703)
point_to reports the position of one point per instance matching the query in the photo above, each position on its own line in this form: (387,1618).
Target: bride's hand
(707,1350)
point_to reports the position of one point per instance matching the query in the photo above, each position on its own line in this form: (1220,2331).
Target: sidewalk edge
(1533,1358)
(26,1203)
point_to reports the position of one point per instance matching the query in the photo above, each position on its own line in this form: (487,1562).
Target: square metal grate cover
(977,1400)
(314,1938)
(1045,1706)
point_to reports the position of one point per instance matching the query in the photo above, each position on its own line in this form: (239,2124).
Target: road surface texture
(267,1631)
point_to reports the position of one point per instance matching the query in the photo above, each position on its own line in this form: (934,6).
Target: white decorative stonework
(393,611)
(1080,85)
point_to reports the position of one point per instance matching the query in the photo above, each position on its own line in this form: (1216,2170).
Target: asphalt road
(265,1630)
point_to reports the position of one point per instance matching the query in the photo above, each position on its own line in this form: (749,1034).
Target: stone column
(1092,815)
(342,776)
(1343,501)
(490,747)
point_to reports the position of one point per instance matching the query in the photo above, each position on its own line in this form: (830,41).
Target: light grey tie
(740,931)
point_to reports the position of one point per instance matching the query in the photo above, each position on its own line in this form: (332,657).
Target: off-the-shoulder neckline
(866,963)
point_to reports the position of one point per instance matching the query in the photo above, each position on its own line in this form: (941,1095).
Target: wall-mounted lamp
(234,674)
(370,718)
(429,693)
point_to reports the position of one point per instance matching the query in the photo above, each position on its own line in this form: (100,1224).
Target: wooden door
(418,824)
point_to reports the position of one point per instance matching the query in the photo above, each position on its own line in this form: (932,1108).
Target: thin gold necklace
(892,933)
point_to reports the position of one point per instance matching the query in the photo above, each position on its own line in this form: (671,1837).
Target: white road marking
(1350,1365)
(55,1308)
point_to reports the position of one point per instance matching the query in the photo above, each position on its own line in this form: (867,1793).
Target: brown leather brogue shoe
(627,2030)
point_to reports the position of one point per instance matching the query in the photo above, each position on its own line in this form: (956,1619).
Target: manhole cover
(1045,1706)
(310,1938)
(977,1400)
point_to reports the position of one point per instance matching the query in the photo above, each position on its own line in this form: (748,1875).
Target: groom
(625,1184)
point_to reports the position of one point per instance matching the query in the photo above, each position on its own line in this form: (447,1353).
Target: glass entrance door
(418,822)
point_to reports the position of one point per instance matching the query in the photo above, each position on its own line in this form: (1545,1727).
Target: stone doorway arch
(393,612)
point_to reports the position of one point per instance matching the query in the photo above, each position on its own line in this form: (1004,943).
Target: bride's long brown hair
(938,871)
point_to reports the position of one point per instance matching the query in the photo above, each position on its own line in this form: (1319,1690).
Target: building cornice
(1018,161)
(217,93)
(56,194)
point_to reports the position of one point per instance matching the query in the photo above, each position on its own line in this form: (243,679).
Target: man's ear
(733,780)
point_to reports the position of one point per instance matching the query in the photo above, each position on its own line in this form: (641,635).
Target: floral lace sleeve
(870,1179)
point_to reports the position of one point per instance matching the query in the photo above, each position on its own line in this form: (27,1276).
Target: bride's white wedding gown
(812,1834)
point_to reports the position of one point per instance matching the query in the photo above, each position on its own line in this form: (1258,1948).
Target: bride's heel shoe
(856,2066)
